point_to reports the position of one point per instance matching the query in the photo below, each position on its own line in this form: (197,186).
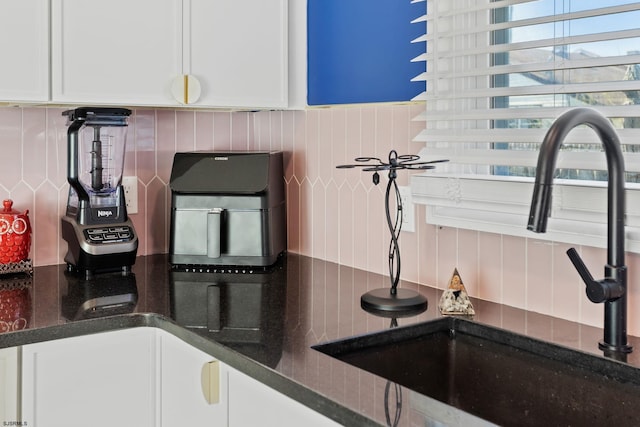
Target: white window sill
(501,205)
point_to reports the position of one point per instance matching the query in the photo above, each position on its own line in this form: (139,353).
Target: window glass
(582,57)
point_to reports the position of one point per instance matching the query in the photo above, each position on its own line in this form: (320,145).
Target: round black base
(624,349)
(404,303)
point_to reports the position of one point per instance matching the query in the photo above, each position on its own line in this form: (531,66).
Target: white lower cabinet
(139,377)
(132,377)
(255,404)
(183,398)
(106,379)
(9,385)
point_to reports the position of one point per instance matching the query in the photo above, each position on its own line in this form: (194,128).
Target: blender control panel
(116,234)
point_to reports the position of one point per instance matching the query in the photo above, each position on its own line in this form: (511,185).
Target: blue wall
(361,51)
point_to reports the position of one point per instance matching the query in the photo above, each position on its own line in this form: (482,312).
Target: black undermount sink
(497,375)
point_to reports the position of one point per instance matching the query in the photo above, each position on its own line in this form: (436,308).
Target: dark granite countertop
(262,323)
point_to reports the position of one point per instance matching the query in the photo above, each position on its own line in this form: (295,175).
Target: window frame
(500,204)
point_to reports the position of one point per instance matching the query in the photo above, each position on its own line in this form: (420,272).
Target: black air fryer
(227,209)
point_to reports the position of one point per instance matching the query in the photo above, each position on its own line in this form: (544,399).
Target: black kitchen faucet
(612,290)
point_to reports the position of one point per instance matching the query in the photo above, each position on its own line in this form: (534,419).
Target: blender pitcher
(95,163)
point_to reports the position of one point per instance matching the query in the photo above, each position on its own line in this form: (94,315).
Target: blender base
(85,257)
(89,269)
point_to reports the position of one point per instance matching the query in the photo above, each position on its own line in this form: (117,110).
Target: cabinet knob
(211,382)
(186,89)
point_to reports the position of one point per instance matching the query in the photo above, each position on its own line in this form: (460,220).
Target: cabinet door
(116,52)
(252,403)
(106,379)
(183,400)
(24,49)
(238,51)
(9,384)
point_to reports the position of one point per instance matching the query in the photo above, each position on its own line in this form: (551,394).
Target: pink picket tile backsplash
(333,214)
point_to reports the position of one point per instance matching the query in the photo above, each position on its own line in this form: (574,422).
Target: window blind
(421,20)
(498,73)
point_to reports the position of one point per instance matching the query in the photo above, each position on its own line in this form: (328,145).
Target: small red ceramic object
(15,234)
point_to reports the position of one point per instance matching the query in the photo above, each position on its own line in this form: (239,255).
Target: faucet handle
(598,291)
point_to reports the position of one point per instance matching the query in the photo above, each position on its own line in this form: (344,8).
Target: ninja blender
(99,234)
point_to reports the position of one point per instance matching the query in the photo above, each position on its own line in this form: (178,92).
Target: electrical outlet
(130,187)
(408,209)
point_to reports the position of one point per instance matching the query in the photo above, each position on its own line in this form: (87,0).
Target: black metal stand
(393,302)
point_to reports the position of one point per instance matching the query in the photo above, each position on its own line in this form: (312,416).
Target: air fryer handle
(214,232)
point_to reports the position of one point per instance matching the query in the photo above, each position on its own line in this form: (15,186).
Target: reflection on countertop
(244,311)
(273,318)
(15,302)
(103,295)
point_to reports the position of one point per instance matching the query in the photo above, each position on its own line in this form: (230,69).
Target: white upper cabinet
(115,52)
(24,49)
(202,53)
(238,51)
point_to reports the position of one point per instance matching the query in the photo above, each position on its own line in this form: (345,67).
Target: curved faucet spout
(615,334)
(541,201)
